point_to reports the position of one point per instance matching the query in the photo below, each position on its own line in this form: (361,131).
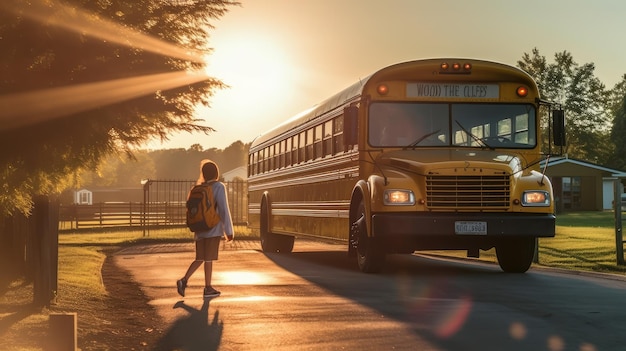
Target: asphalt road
(315,299)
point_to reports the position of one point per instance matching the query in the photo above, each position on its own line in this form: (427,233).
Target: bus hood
(447,161)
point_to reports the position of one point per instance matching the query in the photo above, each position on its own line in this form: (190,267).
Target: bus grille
(468,192)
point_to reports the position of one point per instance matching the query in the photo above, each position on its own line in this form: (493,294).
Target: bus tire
(515,255)
(271,242)
(370,257)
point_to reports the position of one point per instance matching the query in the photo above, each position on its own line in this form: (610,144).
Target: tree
(616,96)
(618,135)
(120,172)
(137,53)
(235,155)
(582,95)
(168,164)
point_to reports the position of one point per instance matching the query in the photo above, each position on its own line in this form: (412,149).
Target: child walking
(207,242)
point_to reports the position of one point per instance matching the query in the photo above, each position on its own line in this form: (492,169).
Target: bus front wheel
(370,256)
(515,255)
(271,242)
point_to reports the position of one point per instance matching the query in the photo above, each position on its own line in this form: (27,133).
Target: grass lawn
(583,241)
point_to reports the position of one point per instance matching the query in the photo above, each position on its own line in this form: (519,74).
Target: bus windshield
(404,124)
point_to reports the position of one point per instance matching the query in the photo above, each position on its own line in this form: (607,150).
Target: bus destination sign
(452,90)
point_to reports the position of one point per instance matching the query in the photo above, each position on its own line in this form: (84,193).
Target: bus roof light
(522,91)
(455,68)
(382,89)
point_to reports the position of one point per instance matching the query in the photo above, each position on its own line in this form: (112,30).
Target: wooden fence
(163,206)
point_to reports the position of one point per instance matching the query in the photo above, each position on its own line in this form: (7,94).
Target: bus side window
(338,145)
(271,158)
(328,138)
(522,135)
(317,141)
(350,130)
(504,128)
(309,144)
(294,150)
(280,152)
(288,152)
(302,147)
(255,163)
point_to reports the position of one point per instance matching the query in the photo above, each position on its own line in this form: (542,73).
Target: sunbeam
(73,19)
(21,109)
(27,108)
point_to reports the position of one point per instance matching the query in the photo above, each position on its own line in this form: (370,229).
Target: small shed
(580,185)
(83,197)
(107,194)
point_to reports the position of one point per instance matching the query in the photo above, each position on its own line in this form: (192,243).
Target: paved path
(315,299)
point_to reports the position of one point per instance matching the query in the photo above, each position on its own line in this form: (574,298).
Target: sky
(281,57)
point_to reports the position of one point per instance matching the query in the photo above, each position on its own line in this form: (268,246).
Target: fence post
(144,211)
(617,209)
(45,247)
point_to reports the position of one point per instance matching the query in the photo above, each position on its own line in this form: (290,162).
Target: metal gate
(164,202)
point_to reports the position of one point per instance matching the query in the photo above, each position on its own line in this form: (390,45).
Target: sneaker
(181,284)
(210,292)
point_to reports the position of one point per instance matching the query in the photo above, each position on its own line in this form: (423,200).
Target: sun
(253,68)
(260,75)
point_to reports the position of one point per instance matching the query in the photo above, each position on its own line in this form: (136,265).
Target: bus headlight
(535,198)
(399,197)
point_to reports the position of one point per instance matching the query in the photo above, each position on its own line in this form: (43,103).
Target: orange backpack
(201,208)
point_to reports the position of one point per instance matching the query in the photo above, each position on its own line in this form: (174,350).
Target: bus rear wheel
(370,256)
(271,242)
(515,255)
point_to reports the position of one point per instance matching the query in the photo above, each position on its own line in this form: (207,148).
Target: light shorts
(207,248)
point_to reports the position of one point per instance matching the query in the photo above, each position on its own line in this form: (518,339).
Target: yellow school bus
(436,154)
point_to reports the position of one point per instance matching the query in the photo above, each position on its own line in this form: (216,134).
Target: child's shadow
(193,332)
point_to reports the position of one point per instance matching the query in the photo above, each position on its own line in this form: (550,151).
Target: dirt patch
(121,320)
(131,322)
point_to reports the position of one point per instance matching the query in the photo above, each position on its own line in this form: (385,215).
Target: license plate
(470,227)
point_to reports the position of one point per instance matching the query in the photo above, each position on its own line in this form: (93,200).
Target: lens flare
(452,321)
(426,305)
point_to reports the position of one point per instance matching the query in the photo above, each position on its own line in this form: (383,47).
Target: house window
(571,193)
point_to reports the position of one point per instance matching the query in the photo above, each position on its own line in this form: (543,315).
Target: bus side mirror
(350,125)
(558,127)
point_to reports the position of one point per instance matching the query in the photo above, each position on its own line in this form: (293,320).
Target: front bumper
(443,224)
